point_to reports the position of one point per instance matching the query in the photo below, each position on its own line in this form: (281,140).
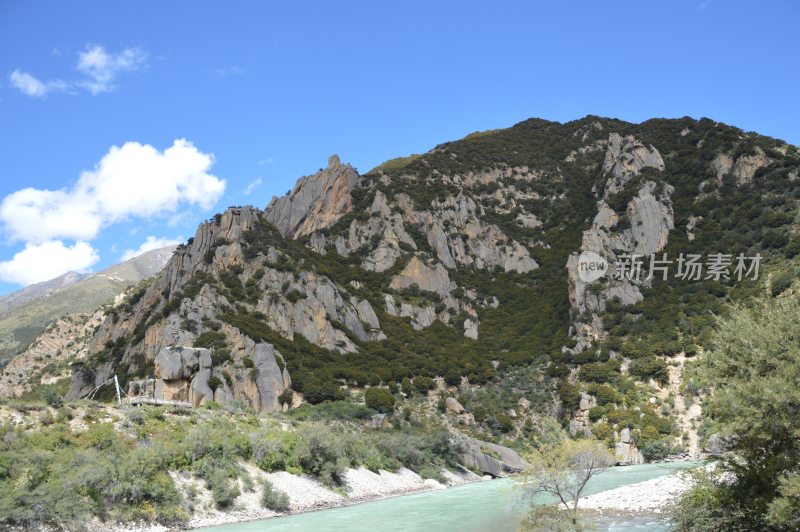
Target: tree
(753,371)
(561,470)
(424,384)
(379,399)
(52,398)
(407,387)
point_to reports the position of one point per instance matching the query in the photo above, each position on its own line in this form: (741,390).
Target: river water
(478,507)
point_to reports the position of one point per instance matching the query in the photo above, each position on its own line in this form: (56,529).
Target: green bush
(274,451)
(316,392)
(781,282)
(273,498)
(322,452)
(452,377)
(504,422)
(286,397)
(600,372)
(648,368)
(407,386)
(596,413)
(424,384)
(605,394)
(223,490)
(52,398)
(602,431)
(379,399)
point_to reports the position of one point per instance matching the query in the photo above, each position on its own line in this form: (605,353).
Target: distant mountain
(26,313)
(35,291)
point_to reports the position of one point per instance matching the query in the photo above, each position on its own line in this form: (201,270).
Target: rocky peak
(626,157)
(316,202)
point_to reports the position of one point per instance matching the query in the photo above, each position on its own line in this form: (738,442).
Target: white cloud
(149,244)
(102,67)
(252,186)
(31,86)
(135,180)
(41,262)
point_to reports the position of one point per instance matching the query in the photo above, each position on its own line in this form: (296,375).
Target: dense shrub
(781,282)
(379,399)
(321,452)
(424,384)
(223,490)
(600,372)
(52,398)
(273,498)
(648,368)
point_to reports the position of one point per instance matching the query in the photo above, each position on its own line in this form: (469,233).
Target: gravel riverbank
(650,496)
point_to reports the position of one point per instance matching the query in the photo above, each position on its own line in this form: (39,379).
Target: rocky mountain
(13,300)
(26,313)
(465,263)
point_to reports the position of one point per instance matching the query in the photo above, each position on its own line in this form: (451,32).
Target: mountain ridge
(459,264)
(33,308)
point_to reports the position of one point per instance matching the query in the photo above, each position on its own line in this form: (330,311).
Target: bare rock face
(311,313)
(316,202)
(746,166)
(270,379)
(650,220)
(429,278)
(721,165)
(471,242)
(626,157)
(627,454)
(383,232)
(471,328)
(184,374)
(743,169)
(421,317)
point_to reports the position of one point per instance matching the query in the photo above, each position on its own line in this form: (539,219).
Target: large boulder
(453,406)
(491,459)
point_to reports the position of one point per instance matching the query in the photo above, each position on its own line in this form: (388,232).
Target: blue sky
(217,104)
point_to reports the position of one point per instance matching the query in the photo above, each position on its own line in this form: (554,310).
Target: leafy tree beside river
(753,373)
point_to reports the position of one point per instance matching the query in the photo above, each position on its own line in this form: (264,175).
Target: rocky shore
(650,496)
(305,495)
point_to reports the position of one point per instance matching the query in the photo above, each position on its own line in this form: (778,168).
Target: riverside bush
(273,498)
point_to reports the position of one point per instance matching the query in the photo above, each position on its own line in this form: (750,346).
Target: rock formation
(491,459)
(316,202)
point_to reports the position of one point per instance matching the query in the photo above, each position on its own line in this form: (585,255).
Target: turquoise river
(482,506)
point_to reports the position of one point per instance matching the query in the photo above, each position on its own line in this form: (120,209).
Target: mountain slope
(461,263)
(13,300)
(33,308)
